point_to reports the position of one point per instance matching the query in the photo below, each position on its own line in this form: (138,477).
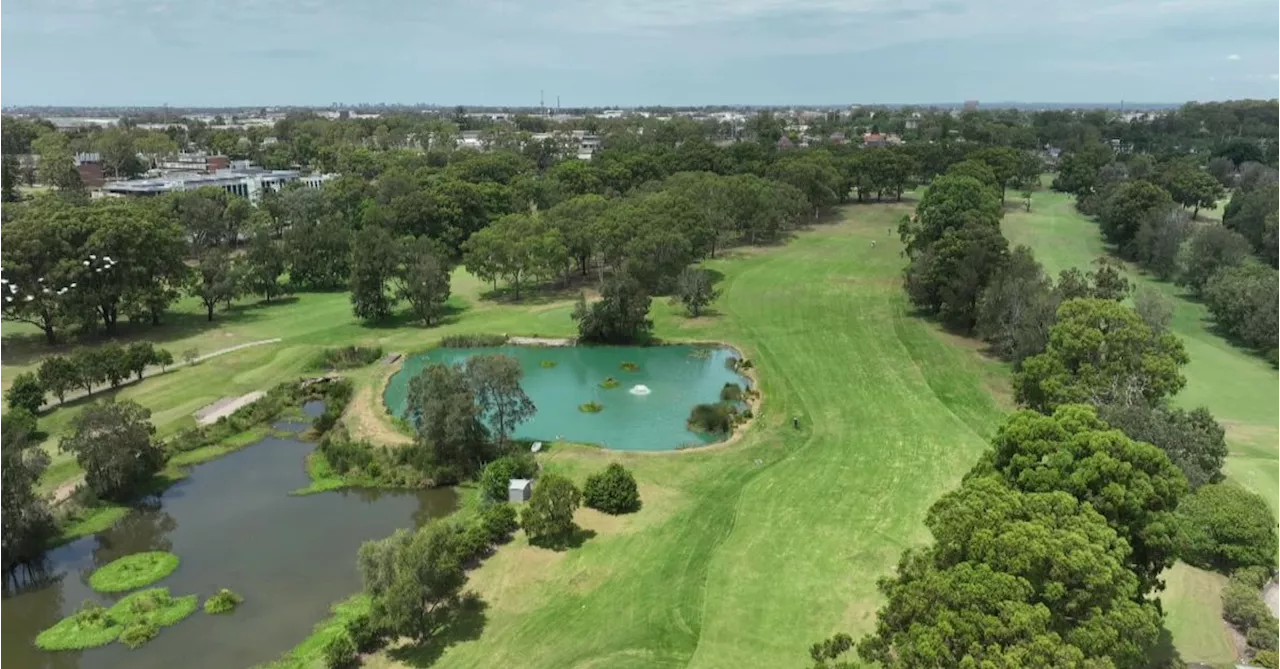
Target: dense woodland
(1050,552)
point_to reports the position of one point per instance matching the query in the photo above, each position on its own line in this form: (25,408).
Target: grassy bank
(1237,386)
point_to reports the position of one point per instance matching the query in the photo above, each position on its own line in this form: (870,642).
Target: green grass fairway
(1237,386)
(744,554)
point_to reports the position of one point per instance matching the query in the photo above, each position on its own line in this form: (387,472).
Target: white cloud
(1234,56)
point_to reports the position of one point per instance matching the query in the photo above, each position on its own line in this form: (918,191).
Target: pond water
(235,526)
(676,378)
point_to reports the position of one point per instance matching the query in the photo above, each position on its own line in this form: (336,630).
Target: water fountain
(639,389)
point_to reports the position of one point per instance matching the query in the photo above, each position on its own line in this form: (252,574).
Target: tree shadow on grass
(574,539)
(466,624)
(539,294)
(405,318)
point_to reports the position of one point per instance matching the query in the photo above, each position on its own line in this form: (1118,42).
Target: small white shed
(519,490)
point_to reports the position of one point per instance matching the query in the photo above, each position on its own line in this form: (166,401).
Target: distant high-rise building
(970,105)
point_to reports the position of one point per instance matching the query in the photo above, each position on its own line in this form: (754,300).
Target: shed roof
(518,484)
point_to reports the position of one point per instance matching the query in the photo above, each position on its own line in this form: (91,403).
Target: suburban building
(195,162)
(247,182)
(89,167)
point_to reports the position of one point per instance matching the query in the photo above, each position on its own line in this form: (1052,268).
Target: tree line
(1050,553)
(1140,206)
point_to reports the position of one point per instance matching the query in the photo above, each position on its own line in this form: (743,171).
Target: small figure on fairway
(873,243)
(795,422)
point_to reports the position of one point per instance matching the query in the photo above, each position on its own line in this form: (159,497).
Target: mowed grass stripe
(756,561)
(843,503)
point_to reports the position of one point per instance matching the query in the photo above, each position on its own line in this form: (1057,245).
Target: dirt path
(156,370)
(225,407)
(1271,595)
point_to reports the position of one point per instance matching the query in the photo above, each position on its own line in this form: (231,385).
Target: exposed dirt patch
(366,417)
(64,491)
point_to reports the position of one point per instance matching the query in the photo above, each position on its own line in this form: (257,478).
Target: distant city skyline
(628,53)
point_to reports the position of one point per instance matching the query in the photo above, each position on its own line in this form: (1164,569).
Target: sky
(633,52)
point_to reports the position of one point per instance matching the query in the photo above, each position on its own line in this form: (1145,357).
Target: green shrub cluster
(731,392)
(1267,659)
(362,462)
(591,407)
(133,621)
(133,571)
(548,364)
(340,651)
(612,491)
(472,341)
(346,357)
(717,418)
(367,635)
(610,383)
(224,601)
(1242,606)
(497,475)
(139,633)
(1224,527)
(629,366)
(336,395)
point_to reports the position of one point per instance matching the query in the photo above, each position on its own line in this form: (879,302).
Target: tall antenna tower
(542,101)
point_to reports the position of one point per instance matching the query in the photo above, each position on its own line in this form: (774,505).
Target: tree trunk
(1195,213)
(209,306)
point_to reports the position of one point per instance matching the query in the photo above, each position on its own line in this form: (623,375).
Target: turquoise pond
(678,377)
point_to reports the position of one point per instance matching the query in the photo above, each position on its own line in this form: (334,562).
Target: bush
(139,633)
(731,392)
(1253,577)
(1243,607)
(366,635)
(612,491)
(346,357)
(473,341)
(336,395)
(344,455)
(610,383)
(629,366)
(712,418)
(498,522)
(340,651)
(1267,659)
(224,601)
(591,407)
(497,475)
(1264,636)
(548,364)
(1224,527)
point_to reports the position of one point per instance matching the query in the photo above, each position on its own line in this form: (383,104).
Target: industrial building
(247,182)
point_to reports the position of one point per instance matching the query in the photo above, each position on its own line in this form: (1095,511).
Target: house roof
(518,484)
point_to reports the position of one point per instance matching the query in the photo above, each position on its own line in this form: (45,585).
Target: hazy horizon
(630,53)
